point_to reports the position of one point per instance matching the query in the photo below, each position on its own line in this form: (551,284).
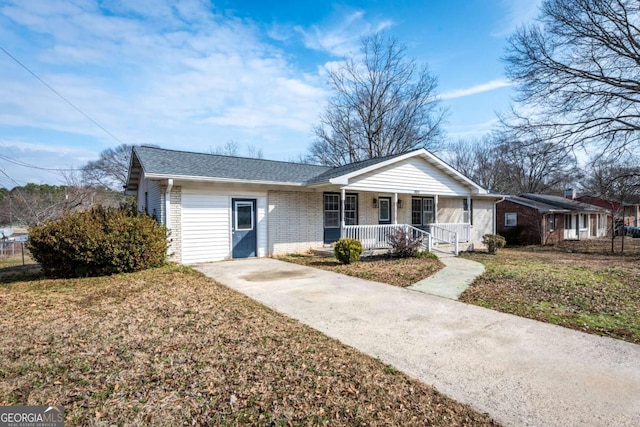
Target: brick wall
(175,247)
(528,229)
(294,221)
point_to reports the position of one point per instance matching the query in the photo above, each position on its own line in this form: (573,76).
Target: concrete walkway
(519,371)
(452,280)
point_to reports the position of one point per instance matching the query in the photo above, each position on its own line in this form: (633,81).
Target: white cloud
(342,37)
(170,74)
(484,87)
(517,13)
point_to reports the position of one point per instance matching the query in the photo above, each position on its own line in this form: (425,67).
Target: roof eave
(219,179)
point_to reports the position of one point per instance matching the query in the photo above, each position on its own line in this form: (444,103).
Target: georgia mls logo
(31,416)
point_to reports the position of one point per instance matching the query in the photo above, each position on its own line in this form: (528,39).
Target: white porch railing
(446,235)
(439,229)
(377,236)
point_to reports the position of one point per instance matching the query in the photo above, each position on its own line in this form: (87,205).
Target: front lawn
(171,347)
(401,272)
(590,292)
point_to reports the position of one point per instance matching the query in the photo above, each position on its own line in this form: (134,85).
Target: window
(427,211)
(510,219)
(332,210)
(568,222)
(551,222)
(422,211)
(244,216)
(585,221)
(384,210)
(416,211)
(467,211)
(351,209)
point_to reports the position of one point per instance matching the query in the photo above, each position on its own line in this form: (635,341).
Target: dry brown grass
(401,272)
(573,285)
(171,347)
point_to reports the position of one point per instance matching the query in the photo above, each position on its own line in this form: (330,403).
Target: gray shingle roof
(159,161)
(548,202)
(351,167)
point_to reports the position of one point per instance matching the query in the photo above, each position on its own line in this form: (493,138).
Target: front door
(243,228)
(384,210)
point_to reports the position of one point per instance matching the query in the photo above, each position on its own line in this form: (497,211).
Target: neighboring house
(628,213)
(541,219)
(219,207)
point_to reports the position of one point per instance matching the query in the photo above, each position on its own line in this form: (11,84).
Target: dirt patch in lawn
(171,347)
(590,292)
(401,272)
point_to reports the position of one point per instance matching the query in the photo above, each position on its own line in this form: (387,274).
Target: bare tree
(577,71)
(111,169)
(34,204)
(382,104)
(498,163)
(478,160)
(232,148)
(535,166)
(616,182)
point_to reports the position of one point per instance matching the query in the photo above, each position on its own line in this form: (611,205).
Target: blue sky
(196,74)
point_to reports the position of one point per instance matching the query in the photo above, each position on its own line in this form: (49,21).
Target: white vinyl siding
(150,198)
(206,224)
(409,176)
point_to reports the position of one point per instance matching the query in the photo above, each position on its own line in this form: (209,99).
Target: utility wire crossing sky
(78,77)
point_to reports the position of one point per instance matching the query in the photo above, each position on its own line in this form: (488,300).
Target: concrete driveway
(519,371)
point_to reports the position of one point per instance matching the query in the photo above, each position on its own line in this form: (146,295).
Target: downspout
(342,221)
(435,209)
(167,204)
(395,208)
(495,214)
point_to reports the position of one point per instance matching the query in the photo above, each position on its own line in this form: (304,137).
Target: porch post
(342,222)
(435,209)
(395,208)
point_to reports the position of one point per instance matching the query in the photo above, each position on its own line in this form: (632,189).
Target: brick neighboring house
(628,213)
(543,219)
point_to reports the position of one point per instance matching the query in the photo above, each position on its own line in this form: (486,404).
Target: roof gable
(430,166)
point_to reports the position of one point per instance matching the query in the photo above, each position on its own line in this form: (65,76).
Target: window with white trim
(467,211)
(351,209)
(422,210)
(332,210)
(510,219)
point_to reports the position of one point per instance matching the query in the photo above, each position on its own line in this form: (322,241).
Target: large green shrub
(98,242)
(347,251)
(493,242)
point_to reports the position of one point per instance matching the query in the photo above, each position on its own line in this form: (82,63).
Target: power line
(60,95)
(27,165)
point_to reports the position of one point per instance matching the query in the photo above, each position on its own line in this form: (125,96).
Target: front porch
(372,217)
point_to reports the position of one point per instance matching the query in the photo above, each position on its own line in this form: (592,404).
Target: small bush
(347,251)
(98,242)
(403,244)
(426,255)
(493,242)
